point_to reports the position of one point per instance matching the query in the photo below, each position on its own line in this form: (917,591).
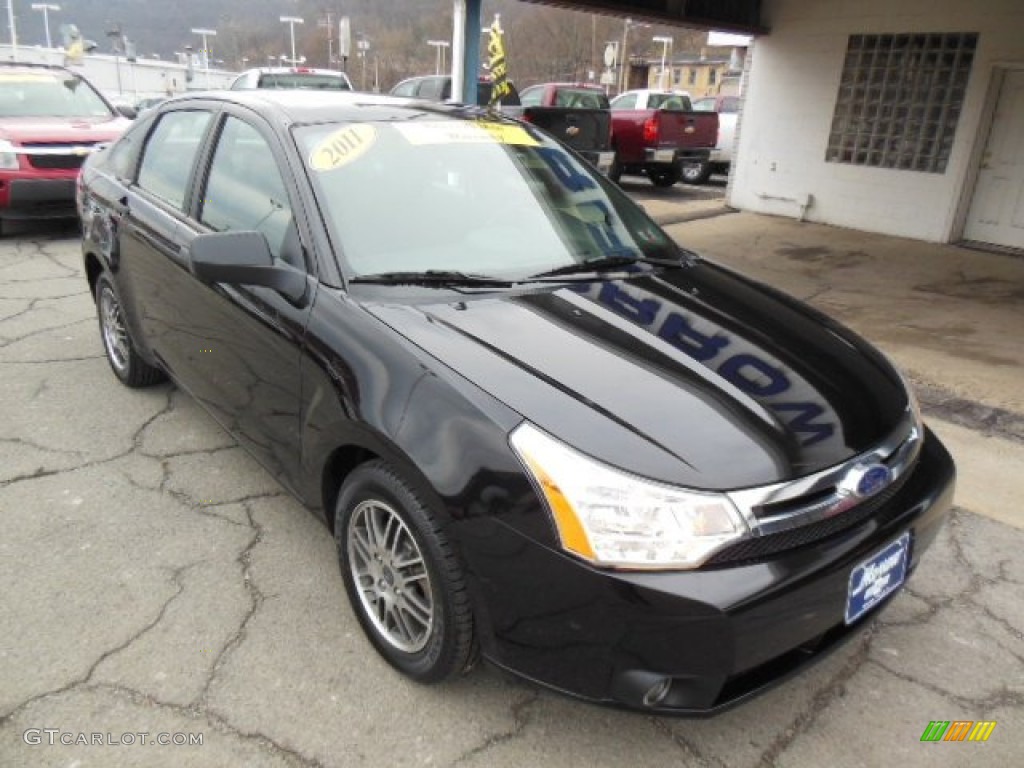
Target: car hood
(19,130)
(691,376)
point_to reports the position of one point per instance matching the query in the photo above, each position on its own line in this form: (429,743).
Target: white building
(904,117)
(128,80)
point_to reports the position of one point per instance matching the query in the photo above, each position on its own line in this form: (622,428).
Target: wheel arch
(358,449)
(93,270)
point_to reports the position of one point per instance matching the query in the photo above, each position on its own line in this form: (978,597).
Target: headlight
(612,518)
(8,157)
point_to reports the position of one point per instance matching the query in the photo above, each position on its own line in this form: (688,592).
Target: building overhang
(742,16)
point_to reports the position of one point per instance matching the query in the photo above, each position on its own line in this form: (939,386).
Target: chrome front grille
(760,547)
(789,515)
(63,155)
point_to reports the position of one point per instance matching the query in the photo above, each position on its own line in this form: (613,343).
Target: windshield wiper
(607,263)
(433,277)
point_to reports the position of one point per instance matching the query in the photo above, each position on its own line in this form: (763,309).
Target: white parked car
(728,109)
(292,77)
(652,98)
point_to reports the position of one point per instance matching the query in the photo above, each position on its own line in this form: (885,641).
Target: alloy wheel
(115,335)
(391,577)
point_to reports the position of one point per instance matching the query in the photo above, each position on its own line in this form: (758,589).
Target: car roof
(580,86)
(306,107)
(294,71)
(24,66)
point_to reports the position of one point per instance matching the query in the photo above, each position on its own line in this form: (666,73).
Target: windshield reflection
(484,196)
(45,95)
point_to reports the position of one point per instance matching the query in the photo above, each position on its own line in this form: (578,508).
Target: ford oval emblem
(868,480)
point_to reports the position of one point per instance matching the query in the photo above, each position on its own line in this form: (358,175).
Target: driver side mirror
(125,111)
(244,258)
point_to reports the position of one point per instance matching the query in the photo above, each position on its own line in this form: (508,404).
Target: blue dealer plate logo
(877,577)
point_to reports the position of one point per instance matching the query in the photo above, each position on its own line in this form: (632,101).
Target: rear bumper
(603,161)
(715,636)
(675,155)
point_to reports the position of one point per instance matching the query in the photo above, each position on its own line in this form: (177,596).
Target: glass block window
(900,99)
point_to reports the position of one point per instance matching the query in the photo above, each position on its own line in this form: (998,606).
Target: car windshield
(292,80)
(482,197)
(48,94)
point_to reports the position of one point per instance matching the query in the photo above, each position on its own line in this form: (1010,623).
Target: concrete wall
(132,81)
(793,84)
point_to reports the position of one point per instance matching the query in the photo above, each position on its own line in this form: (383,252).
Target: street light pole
(46,8)
(204,33)
(291,21)
(439,46)
(665,41)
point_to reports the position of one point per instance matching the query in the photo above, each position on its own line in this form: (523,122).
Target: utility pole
(14,30)
(327,22)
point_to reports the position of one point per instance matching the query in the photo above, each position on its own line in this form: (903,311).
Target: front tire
(403,576)
(124,358)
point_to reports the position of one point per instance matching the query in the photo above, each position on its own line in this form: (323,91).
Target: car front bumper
(34,197)
(711,637)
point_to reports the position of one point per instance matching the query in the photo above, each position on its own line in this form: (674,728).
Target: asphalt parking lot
(157,581)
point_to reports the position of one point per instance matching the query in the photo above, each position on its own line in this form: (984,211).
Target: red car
(50,119)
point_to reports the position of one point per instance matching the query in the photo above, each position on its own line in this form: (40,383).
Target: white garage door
(997,209)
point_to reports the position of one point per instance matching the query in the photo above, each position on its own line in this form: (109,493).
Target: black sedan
(541,432)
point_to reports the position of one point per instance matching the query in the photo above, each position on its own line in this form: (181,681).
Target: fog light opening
(657,692)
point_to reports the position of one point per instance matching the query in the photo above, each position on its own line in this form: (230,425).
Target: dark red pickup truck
(656,132)
(577,115)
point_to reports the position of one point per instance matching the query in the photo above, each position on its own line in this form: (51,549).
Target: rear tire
(696,173)
(124,358)
(403,577)
(615,172)
(664,179)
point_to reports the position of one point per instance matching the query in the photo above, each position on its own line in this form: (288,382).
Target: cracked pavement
(156,579)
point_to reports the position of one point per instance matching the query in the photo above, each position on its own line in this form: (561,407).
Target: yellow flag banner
(497,65)
(74,45)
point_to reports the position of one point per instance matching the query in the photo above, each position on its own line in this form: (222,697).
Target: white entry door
(997,208)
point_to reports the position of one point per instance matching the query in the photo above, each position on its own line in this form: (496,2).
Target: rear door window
(431,88)
(170,154)
(625,102)
(532,97)
(405,89)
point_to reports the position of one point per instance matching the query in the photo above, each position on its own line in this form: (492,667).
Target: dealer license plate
(877,577)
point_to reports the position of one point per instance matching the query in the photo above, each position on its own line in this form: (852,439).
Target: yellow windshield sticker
(342,147)
(464,132)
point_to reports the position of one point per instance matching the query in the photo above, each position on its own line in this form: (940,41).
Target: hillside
(543,43)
